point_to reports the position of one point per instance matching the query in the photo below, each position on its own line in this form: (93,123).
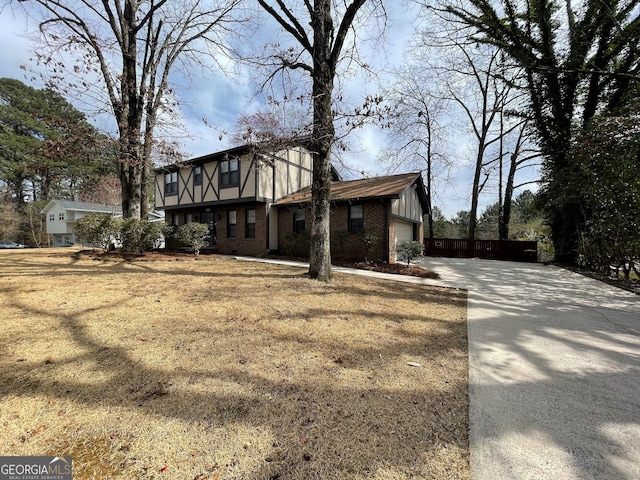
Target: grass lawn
(220,369)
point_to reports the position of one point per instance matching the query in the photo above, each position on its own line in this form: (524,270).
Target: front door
(210,219)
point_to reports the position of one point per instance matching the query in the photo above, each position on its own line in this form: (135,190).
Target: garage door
(404,231)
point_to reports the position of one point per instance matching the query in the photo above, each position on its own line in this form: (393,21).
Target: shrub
(297,244)
(340,238)
(193,235)
(368,239)
(409,250)
(139,236)
(97,229)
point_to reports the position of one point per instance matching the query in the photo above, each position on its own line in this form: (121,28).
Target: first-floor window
(356,218)
(298,220)
(250,223)
(175,219)
(188,218)
(231,224)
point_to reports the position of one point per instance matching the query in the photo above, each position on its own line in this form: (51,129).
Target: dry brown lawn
(221,369)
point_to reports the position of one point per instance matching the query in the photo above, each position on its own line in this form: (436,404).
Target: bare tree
(471,80)
(418,130)
(318,52)
(579,60)
(128,48)
(277,125)
(483,96)
(521,157)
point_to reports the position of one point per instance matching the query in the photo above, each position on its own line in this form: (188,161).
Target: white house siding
(61,229)
(404,231)
(167,201)
(280,178)
(264,177)
(248,185)
(210,182)
(407,206)
(56,226)
(292,171)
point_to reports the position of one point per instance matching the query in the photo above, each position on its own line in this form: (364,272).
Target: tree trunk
(130,120)
(323,137)
(503,226)
(320,252)
(475,193)
(429,160)
(144,189)
(18,188)
(565,212)
(131,190)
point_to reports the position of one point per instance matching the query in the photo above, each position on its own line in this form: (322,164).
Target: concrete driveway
(554,378)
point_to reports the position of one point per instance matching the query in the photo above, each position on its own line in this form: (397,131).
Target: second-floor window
(171,183)
(229,172)
(52,217)
(197,175)
(61,216)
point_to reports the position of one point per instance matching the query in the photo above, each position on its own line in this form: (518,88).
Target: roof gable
(391,186)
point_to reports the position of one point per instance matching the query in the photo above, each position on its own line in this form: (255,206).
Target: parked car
(7,244)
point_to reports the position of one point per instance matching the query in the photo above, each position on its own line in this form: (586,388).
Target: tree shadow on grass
(330,408)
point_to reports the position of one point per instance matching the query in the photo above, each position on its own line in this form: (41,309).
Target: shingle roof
(89,207)
(369,188)
(154,215)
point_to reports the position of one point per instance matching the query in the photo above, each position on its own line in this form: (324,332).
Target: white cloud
(16,50)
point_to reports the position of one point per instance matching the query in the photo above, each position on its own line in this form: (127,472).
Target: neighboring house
(255,201)
(61,216)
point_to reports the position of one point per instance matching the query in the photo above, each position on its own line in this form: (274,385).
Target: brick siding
(240,245)
(352,247)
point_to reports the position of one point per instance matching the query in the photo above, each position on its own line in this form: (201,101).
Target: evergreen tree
(47,147)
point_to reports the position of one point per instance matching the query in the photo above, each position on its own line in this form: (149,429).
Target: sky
(221,100)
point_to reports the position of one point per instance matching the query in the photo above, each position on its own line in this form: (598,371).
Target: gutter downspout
(270,206)
(385,220)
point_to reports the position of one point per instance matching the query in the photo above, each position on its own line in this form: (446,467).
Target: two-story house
(254,199)
(61,216)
